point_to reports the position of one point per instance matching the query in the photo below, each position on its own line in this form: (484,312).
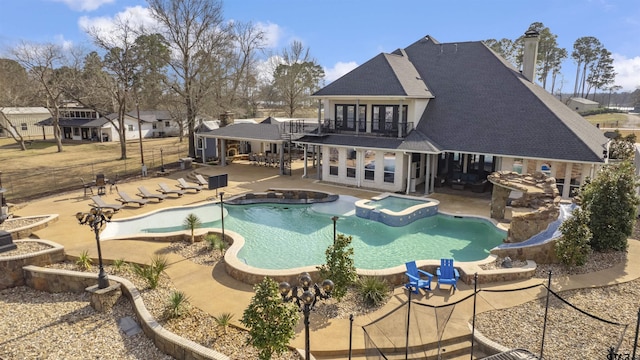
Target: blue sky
(342,34)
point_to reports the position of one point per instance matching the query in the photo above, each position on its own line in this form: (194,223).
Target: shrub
(152,272)
(373,291)
(223,321)
(573,247)
(84,261)
(177,305)
(192,222)
(211,240)
(611,201)
(119,264)
(271,322)
(340,267)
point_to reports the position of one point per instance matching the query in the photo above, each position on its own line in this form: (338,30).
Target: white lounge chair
(183,185)
(146,194)
(201,180)
(126,199)
(99,203)
(166,190)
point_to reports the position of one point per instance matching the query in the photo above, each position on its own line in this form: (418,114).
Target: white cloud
(628,71)
(66,44)
(84,5)
(273,33)
(339,69)
(136,17)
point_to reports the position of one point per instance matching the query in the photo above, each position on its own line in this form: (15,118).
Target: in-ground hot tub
(396,210)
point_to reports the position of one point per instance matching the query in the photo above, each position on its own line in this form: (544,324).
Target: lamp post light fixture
(222,213)
(334,219)
(96,218)
(306,295)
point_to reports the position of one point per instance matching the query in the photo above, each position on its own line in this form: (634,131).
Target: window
(389,167)
(385,117)
(129,127)
(23,126)
(167,124)
(333,161)
(351,163)
(154,126)
(517,166)
(76,131)
(369,165)
(346,117)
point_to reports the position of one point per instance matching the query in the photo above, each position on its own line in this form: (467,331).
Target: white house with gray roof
(447,114)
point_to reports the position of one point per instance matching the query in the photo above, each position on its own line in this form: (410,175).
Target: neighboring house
(434,113)
(581,104)
(162,124)
(25,120)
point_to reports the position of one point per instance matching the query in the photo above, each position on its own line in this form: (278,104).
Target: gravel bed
(27,247)
(15,223)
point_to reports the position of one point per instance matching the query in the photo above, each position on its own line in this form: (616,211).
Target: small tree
(573,247)
(271,321)
(192,222)
(611,203)
(340,267)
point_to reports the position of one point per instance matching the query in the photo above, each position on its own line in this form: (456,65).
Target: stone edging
(11,273)
(24,232)
(165,341)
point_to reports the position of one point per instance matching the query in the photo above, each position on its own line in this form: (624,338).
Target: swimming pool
(279,236)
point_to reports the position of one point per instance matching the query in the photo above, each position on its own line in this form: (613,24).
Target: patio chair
(86,186)
(183,185)
(101,184)
(166,190)
(417,278)
(125,199)
(146,194)
(200,180)
(447,274)
(99,203)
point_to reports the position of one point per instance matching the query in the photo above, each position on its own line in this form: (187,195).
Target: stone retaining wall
(58,280)
(11,266)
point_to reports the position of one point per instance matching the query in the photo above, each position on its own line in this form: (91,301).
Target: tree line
(594,63)
(195,63)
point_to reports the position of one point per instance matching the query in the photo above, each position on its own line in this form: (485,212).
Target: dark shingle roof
(260,132)
(75,122)
(151,115)
(384,75)
(483,106)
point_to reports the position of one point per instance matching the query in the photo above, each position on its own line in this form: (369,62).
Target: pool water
(395,203)
(281,236)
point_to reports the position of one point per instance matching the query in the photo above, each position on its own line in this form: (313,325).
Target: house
(581,104)
(435,114)
(162,123)
(24,119)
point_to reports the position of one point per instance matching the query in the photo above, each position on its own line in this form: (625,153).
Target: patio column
(319,117)
(566,188)
(408,158)
(305,148)
(223,152)
(281,159)
(318,168)
(428,175)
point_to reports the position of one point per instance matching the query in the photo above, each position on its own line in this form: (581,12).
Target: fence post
(546,310)
(473,321)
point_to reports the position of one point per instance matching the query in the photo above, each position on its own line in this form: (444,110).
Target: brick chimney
(530,54)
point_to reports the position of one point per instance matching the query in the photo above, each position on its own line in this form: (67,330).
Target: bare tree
(249,40)
(44,64)
(296,77)
(198,38)
(13,92)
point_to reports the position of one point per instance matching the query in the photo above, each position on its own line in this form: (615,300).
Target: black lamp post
(306,300)
(334,219)
(96,219)
(222,213)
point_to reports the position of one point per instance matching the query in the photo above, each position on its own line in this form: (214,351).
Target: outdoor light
(306,300)
(222,213)
(96,218)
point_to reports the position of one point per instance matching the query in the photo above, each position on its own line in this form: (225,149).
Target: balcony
(377,128)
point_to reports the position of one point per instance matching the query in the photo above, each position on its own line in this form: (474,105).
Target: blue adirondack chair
(447,274)
(418,279)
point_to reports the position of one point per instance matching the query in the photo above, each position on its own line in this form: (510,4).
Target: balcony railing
(377,128)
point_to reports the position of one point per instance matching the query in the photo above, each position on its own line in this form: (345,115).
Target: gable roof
(384,75)
(24,110)
(151,115)
(247,132)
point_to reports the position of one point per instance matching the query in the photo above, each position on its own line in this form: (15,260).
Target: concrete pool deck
(215,292)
